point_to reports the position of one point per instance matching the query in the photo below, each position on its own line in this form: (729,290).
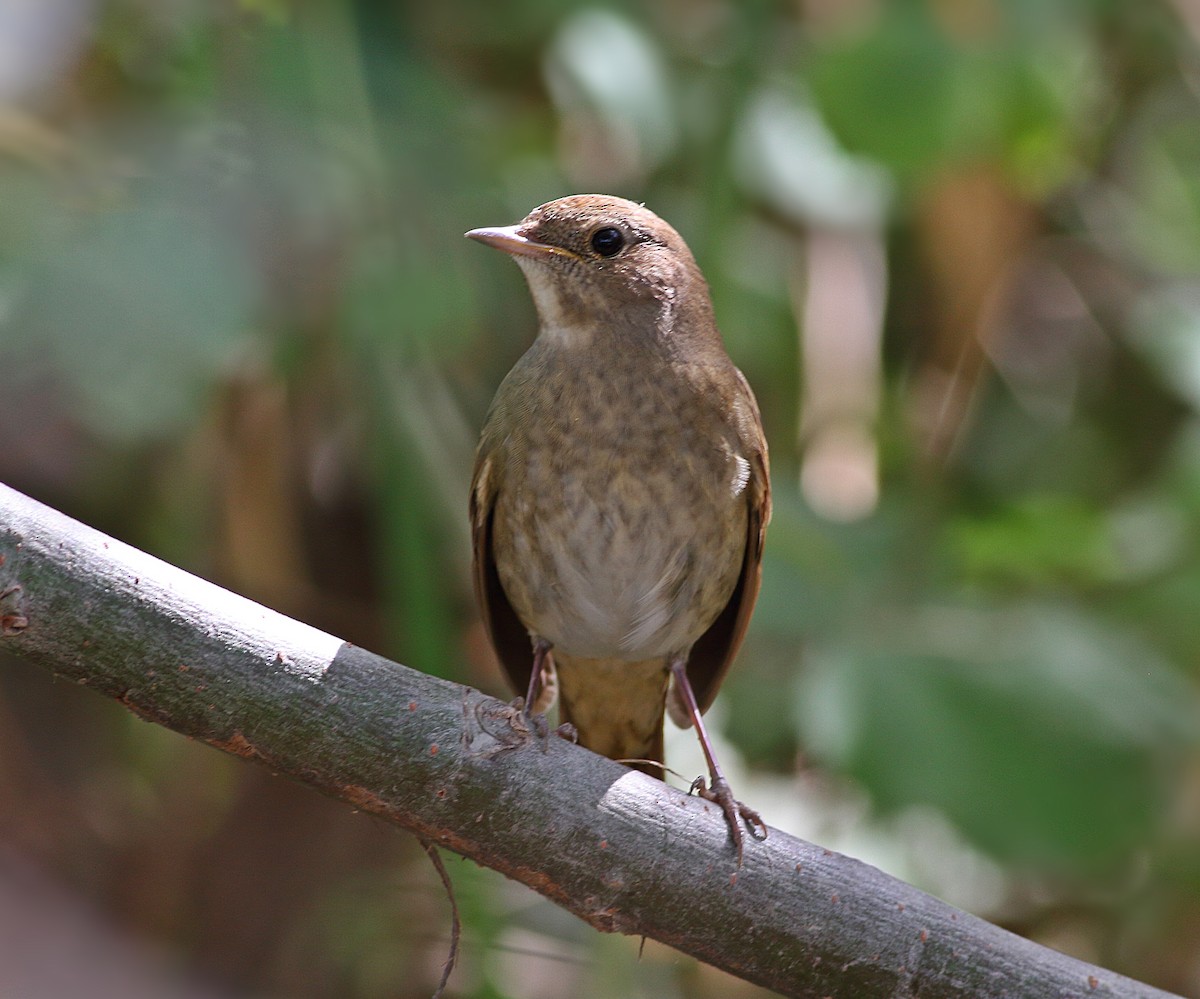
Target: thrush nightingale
(620,495)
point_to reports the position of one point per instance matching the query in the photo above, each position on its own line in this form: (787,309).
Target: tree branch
(619,849)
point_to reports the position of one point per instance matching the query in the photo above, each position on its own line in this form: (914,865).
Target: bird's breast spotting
(621,544)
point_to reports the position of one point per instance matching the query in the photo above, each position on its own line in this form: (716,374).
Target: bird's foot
(537,727)
(490,729)
(721,794)
(535,724)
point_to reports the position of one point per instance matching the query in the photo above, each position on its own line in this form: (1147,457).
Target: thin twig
(435,858)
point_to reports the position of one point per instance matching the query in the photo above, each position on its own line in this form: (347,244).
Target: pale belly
(606,564)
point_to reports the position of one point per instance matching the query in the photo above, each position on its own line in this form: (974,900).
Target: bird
(621,489)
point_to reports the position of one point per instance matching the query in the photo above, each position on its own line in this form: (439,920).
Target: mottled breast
(620,517)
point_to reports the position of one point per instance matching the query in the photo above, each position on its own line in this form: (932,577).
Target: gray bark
(619,849)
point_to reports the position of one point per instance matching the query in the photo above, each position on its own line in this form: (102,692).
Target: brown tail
(616,707)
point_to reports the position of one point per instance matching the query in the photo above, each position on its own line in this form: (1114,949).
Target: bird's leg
(540,648)
(718,789)
(537,722)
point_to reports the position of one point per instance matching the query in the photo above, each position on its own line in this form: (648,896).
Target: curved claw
(721,794)
(754,821)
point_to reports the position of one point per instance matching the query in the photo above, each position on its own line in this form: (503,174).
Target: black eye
(608,241)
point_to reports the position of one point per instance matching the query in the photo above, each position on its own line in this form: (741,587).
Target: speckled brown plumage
(621,493)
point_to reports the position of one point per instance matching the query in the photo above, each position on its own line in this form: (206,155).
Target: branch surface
(619,849)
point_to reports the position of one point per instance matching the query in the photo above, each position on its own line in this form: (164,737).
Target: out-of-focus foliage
(954,245)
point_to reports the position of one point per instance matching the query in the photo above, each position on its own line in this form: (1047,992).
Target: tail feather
(616,707)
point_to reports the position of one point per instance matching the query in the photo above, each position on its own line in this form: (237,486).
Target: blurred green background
(954,245)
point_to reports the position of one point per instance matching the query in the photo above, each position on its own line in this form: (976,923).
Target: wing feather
(713,652)
(508,636)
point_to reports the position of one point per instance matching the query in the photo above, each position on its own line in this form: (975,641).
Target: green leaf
(1040,539)
(1047,736)
(888,92)
(140,315)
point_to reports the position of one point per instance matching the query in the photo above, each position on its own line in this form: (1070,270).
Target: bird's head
(593,259)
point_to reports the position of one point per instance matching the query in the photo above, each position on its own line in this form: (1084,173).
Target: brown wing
(713,652)
(508,636)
